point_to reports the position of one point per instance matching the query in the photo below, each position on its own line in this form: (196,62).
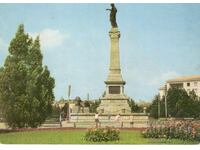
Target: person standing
(60,119)
(96,119)
(118,119)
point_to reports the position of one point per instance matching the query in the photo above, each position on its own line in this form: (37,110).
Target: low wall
(125,117)
(82,120)
(3,125)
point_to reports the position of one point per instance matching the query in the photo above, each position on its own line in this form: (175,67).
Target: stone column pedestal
(114,101)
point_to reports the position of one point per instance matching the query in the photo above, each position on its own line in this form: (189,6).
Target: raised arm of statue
(113,12)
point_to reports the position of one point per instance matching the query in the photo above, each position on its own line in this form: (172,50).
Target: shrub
(179,131)
(102,134)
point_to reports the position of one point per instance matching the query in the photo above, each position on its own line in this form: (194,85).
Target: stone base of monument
(114,106)
(132,120)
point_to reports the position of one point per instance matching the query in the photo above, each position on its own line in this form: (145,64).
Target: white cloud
(50,38)
(163,78)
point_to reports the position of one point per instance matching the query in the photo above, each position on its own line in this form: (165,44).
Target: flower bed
(183,131)
(102,134)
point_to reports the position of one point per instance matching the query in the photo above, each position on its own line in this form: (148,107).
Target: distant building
(188,83)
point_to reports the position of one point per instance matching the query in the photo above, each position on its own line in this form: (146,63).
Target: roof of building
(185,79)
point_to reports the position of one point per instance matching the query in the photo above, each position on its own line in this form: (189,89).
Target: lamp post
(69,92)
(158,106)
(144,109)
(60,117)
(166,101)
(88,96)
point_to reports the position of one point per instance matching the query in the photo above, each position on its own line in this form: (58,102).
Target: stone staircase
(51,123)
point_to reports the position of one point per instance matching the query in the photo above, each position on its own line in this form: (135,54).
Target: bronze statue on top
(113,12)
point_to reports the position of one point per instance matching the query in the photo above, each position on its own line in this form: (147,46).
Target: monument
(114,101)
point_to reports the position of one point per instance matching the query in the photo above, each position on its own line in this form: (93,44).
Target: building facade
(189,83)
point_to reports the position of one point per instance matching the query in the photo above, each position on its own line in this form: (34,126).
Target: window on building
(195,83)
(188,84)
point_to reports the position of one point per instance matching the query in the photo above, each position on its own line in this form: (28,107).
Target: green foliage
(180,104)
(154,107)
(26,87)
(102,134)
(55,111)
(78,101)
(176,98)
(94,105)
(133,105)
(86,103)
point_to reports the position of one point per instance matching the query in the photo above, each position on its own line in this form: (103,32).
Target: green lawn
(76,137)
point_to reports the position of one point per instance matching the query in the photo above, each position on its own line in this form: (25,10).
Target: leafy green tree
(177,101)
(195,104)
(26,87)
(133,105)
(180,104)
(94,105)
(55,111)
(162,107)
(154,107)
(175,98)
(86,103)
(196,108)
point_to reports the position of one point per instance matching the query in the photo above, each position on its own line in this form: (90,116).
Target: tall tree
(154,107)
(182,104)
(162,107)
(94,105)
(157,102)
(134,107)
(26,87)
(176,100)
(195,104)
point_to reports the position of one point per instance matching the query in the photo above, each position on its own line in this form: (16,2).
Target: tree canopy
(179,104)
(26,87)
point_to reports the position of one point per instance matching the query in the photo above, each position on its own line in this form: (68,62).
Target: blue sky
(158,42)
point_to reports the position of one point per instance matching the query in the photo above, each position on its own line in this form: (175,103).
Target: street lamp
(60,117)
(159,106)
(69,92)
(165,100)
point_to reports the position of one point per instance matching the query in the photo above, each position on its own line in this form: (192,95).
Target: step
(50,126)
(103,124)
